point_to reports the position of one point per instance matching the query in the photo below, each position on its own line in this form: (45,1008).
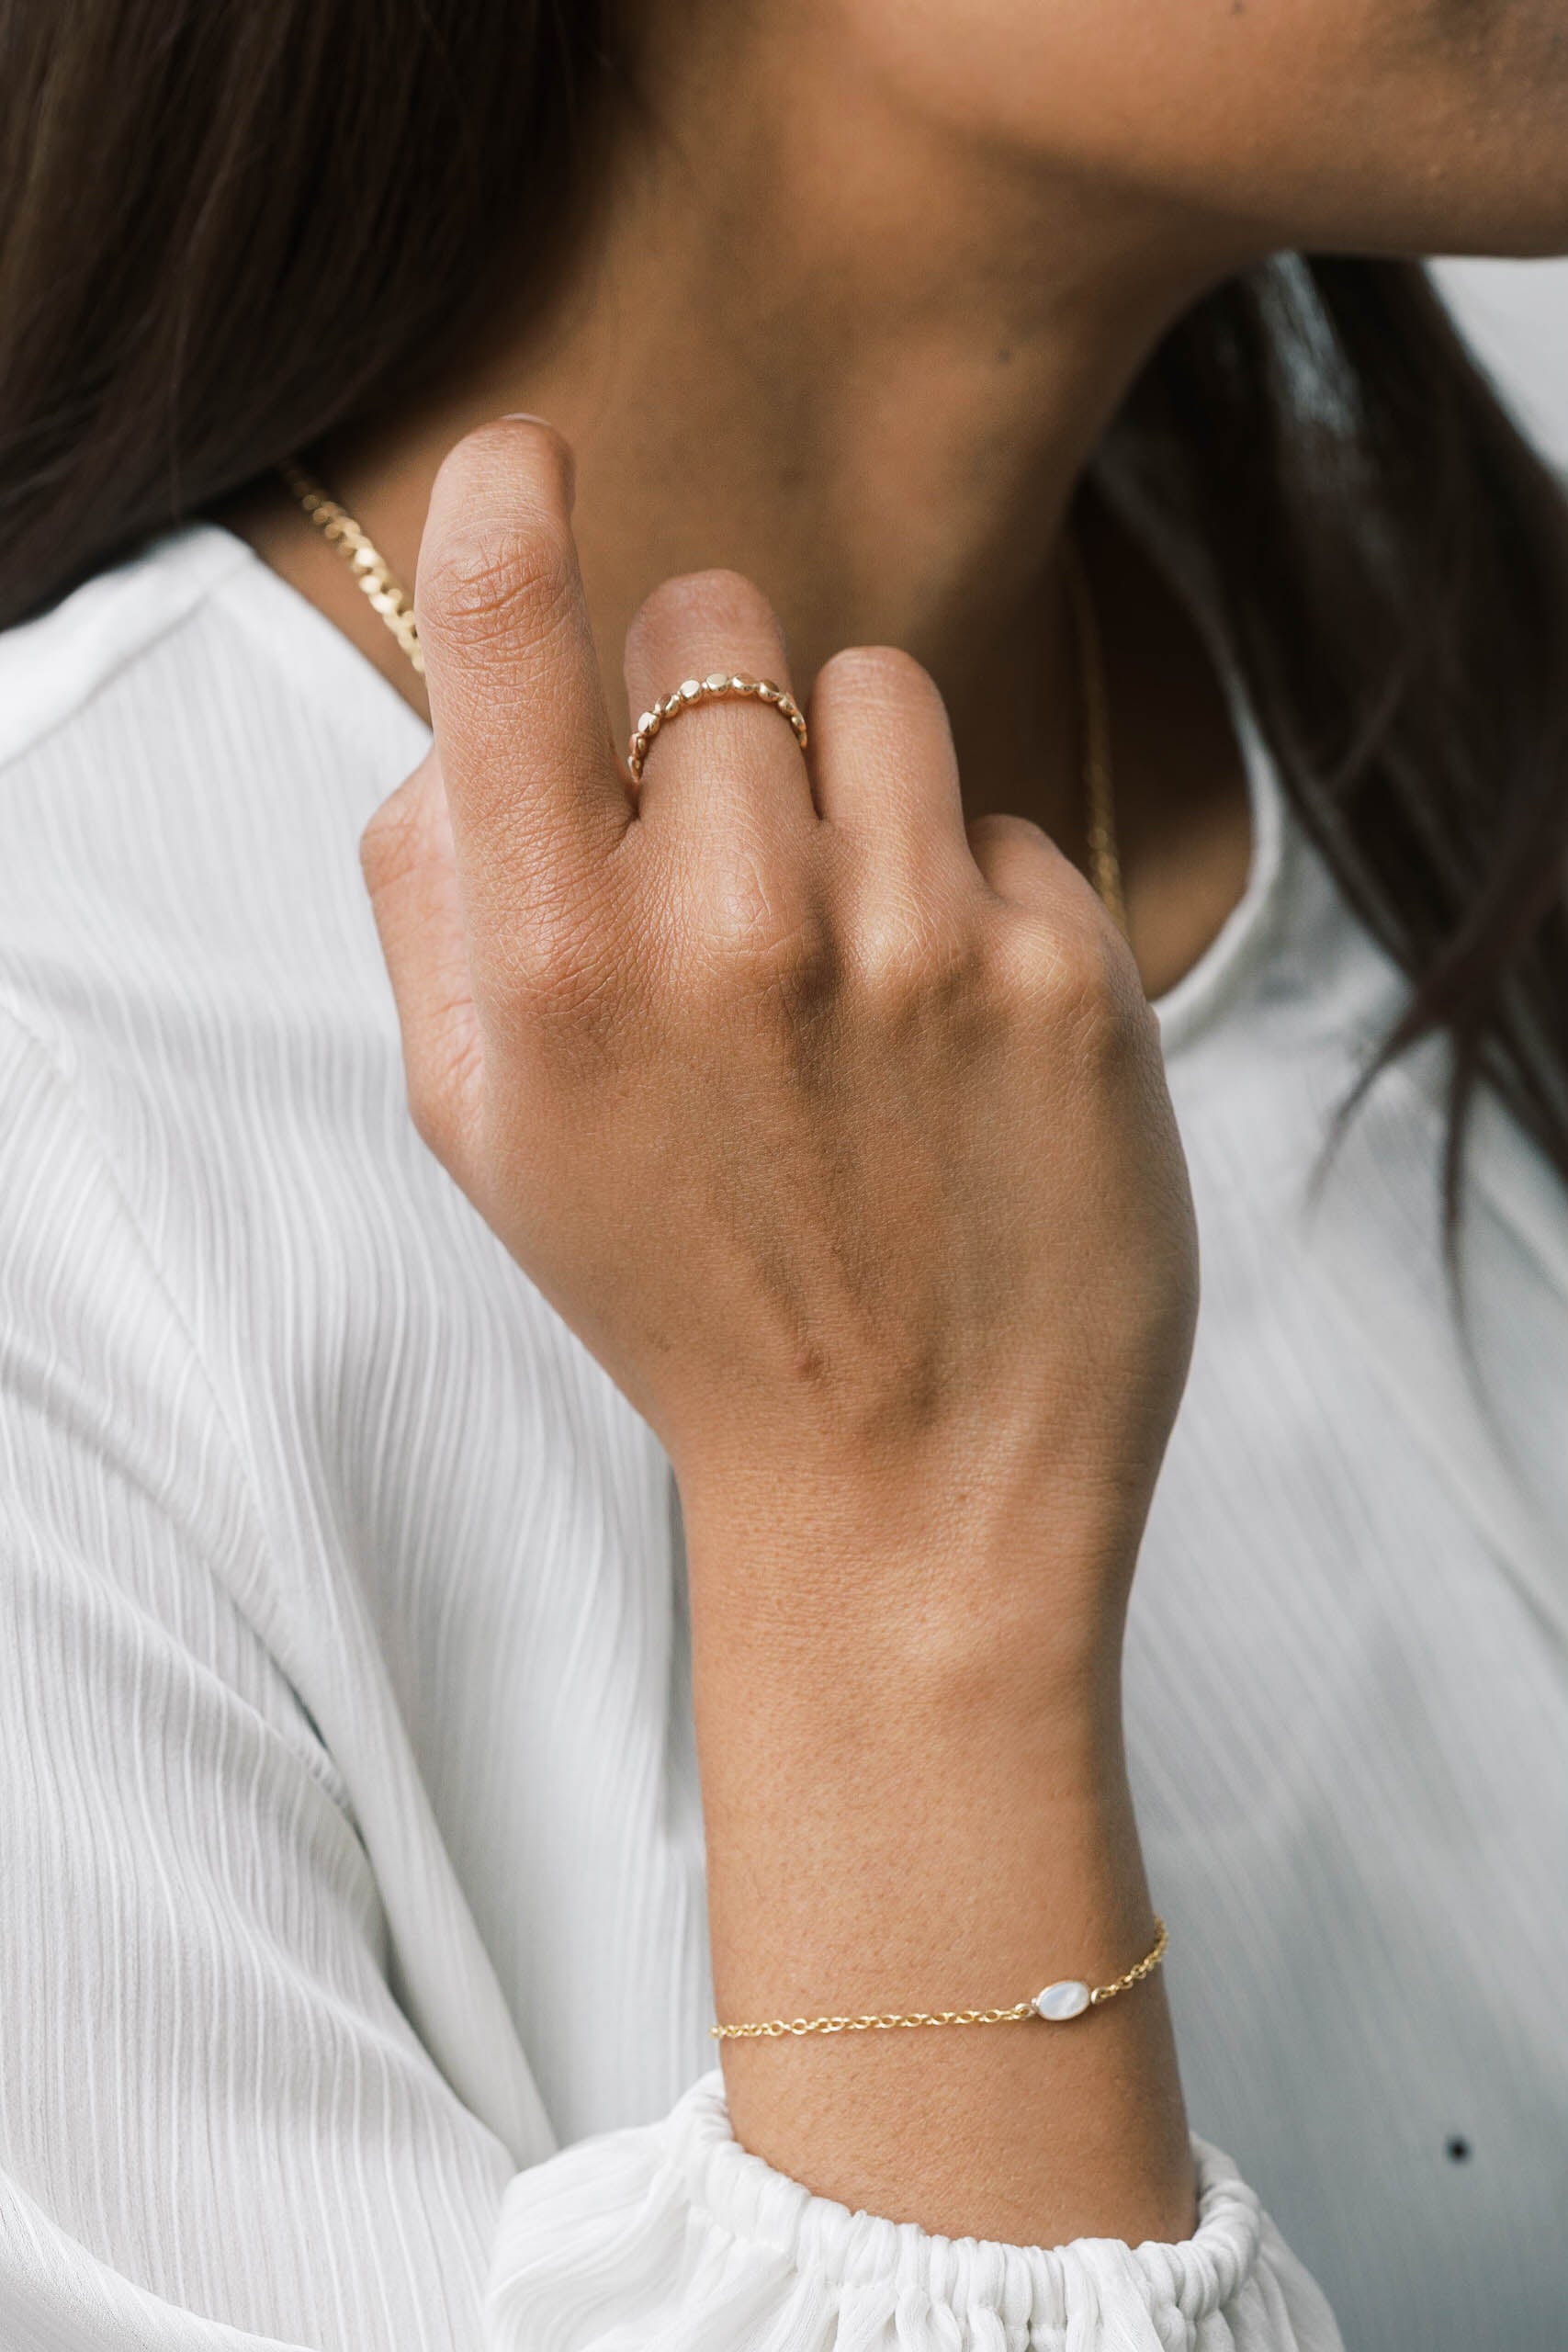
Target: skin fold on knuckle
(1076,975)
(507,585)
(394,855)
(761,941)
(918,962)
(442,1080)
(1004,846)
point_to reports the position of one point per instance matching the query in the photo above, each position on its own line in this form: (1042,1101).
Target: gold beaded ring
(719,687)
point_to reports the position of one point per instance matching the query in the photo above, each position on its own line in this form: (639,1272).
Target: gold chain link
(1136,1973)
(379,584)
(777,2027)
(1022,2011)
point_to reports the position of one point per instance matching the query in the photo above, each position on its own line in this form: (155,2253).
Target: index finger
(536,796)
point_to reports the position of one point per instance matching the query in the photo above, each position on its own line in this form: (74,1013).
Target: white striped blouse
(353,1992)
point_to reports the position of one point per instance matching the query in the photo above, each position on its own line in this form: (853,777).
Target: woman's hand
(839,1133)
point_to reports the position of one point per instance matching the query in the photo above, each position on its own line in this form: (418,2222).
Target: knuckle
(492,580)
(432,1109)
(1091,956)
(402,835)
(442,1075)
(916,960)
(765,937)
(1091,988)
(1001,832)
(390,846)
(788,971)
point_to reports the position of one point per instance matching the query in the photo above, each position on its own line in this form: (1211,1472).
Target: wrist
(863,1783)
(893,1600)
(915,1798)
(926,1869)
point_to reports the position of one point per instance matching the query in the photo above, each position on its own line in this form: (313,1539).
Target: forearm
(829,1122)
(895,1823)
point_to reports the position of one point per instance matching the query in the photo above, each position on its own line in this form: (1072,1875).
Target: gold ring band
(719,687)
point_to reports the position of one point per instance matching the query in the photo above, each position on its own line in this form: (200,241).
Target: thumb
(410,868)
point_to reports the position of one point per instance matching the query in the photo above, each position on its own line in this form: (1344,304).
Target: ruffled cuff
(672,2238)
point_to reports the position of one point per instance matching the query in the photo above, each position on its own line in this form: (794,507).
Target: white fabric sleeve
(674,2239)
(218,2129)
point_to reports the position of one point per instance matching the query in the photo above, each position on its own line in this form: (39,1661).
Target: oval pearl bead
(1067,2000)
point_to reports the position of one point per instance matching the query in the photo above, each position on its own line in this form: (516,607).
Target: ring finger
(723,756)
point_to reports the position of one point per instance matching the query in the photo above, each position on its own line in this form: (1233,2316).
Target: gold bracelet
(1068,1998)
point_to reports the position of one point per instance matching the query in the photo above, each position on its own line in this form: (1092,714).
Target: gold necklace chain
(383,591)
(386,596)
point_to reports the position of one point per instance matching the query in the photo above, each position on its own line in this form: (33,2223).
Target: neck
(844,349)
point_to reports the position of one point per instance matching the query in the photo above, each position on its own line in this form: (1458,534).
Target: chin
(1406,204)
(1477,144)
(1507,227)
(1542,236)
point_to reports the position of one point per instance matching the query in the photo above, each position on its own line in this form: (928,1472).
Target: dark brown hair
(227,228)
